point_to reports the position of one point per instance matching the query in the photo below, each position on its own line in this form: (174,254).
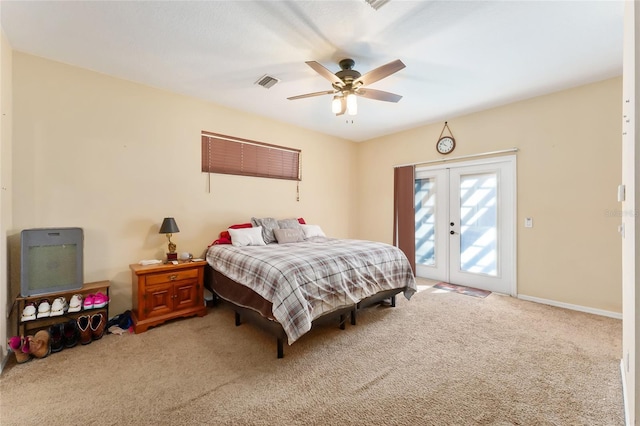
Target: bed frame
(261,318)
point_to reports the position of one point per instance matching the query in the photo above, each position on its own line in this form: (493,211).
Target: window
(236,156)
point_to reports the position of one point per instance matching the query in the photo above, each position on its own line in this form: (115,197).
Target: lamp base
(172,256)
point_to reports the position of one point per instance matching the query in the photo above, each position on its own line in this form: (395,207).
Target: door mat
(469,291)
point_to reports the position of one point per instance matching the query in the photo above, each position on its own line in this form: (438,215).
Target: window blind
(236,156)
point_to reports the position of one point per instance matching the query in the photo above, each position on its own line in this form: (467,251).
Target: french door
(465,224)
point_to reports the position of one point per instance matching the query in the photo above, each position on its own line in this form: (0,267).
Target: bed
(285,288)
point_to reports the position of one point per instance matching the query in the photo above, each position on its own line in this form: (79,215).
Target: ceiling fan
(349,83)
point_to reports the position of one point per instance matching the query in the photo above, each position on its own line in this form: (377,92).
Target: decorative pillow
(268,224)
(289,235)
(312,231)
(247,237)
(221,241)
(301,220)
(225,234)
(289,224)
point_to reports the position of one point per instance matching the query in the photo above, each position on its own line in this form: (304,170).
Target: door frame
(512,245)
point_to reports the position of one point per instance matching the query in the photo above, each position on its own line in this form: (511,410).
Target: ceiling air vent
(377,4)
(267,81)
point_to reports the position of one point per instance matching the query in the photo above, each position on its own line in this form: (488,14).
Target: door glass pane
(425,199)
(478,223)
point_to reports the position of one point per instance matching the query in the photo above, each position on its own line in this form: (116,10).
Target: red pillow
(242,225)
(221,241)
(301,221)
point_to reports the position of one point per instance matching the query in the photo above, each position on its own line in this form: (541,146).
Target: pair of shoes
(75,305)
(56,334)
(122,321)
(44,308)
(29,312)
(91,327)
(98,300)
(59,307)
(16,343)
(39,344)
(70,333)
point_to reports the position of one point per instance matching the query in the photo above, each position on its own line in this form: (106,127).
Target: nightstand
(166,291)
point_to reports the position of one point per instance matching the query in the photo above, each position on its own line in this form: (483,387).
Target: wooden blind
(236,156)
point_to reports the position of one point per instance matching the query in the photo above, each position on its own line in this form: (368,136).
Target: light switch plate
(528,222)
(621,193)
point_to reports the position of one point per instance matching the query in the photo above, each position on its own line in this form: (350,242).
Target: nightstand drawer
(167,277)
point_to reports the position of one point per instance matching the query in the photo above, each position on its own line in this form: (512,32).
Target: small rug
(469,291)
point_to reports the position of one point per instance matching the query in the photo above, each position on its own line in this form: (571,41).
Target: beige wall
(568,168)
(115,157)
(6,117)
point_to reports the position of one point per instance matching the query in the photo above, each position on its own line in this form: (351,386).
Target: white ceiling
(460,56)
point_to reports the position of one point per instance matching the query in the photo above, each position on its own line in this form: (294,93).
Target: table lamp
(170,227)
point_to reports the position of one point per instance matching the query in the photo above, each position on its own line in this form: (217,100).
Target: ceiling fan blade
(309,95)
(380,73)
(320,69)
(378,95)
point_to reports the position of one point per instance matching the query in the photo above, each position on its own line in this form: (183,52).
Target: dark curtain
(404,222)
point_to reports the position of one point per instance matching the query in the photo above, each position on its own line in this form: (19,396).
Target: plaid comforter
(307,279)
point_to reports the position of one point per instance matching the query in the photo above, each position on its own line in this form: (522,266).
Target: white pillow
(312,231)
(247,236)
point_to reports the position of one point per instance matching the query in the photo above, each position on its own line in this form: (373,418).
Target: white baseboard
(627,421)
(3,363)
(586,309)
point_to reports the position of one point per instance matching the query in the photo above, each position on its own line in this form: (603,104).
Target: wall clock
(446,144)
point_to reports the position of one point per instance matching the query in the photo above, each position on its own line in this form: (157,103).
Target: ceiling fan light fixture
(352,104)
(336,104)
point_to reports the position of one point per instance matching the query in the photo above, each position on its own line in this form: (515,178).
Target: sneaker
(29,312)
(85,329)
(59,307)
(88,302)
(100,300)
(44,308)
(98,322)
(76,303)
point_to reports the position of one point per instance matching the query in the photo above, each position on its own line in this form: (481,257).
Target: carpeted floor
(440,359)
(468,291)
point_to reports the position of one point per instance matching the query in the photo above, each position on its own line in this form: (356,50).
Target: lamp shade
(352,104)
(169,226)
(336,104)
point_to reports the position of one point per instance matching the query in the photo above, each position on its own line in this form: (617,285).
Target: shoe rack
(31,326)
